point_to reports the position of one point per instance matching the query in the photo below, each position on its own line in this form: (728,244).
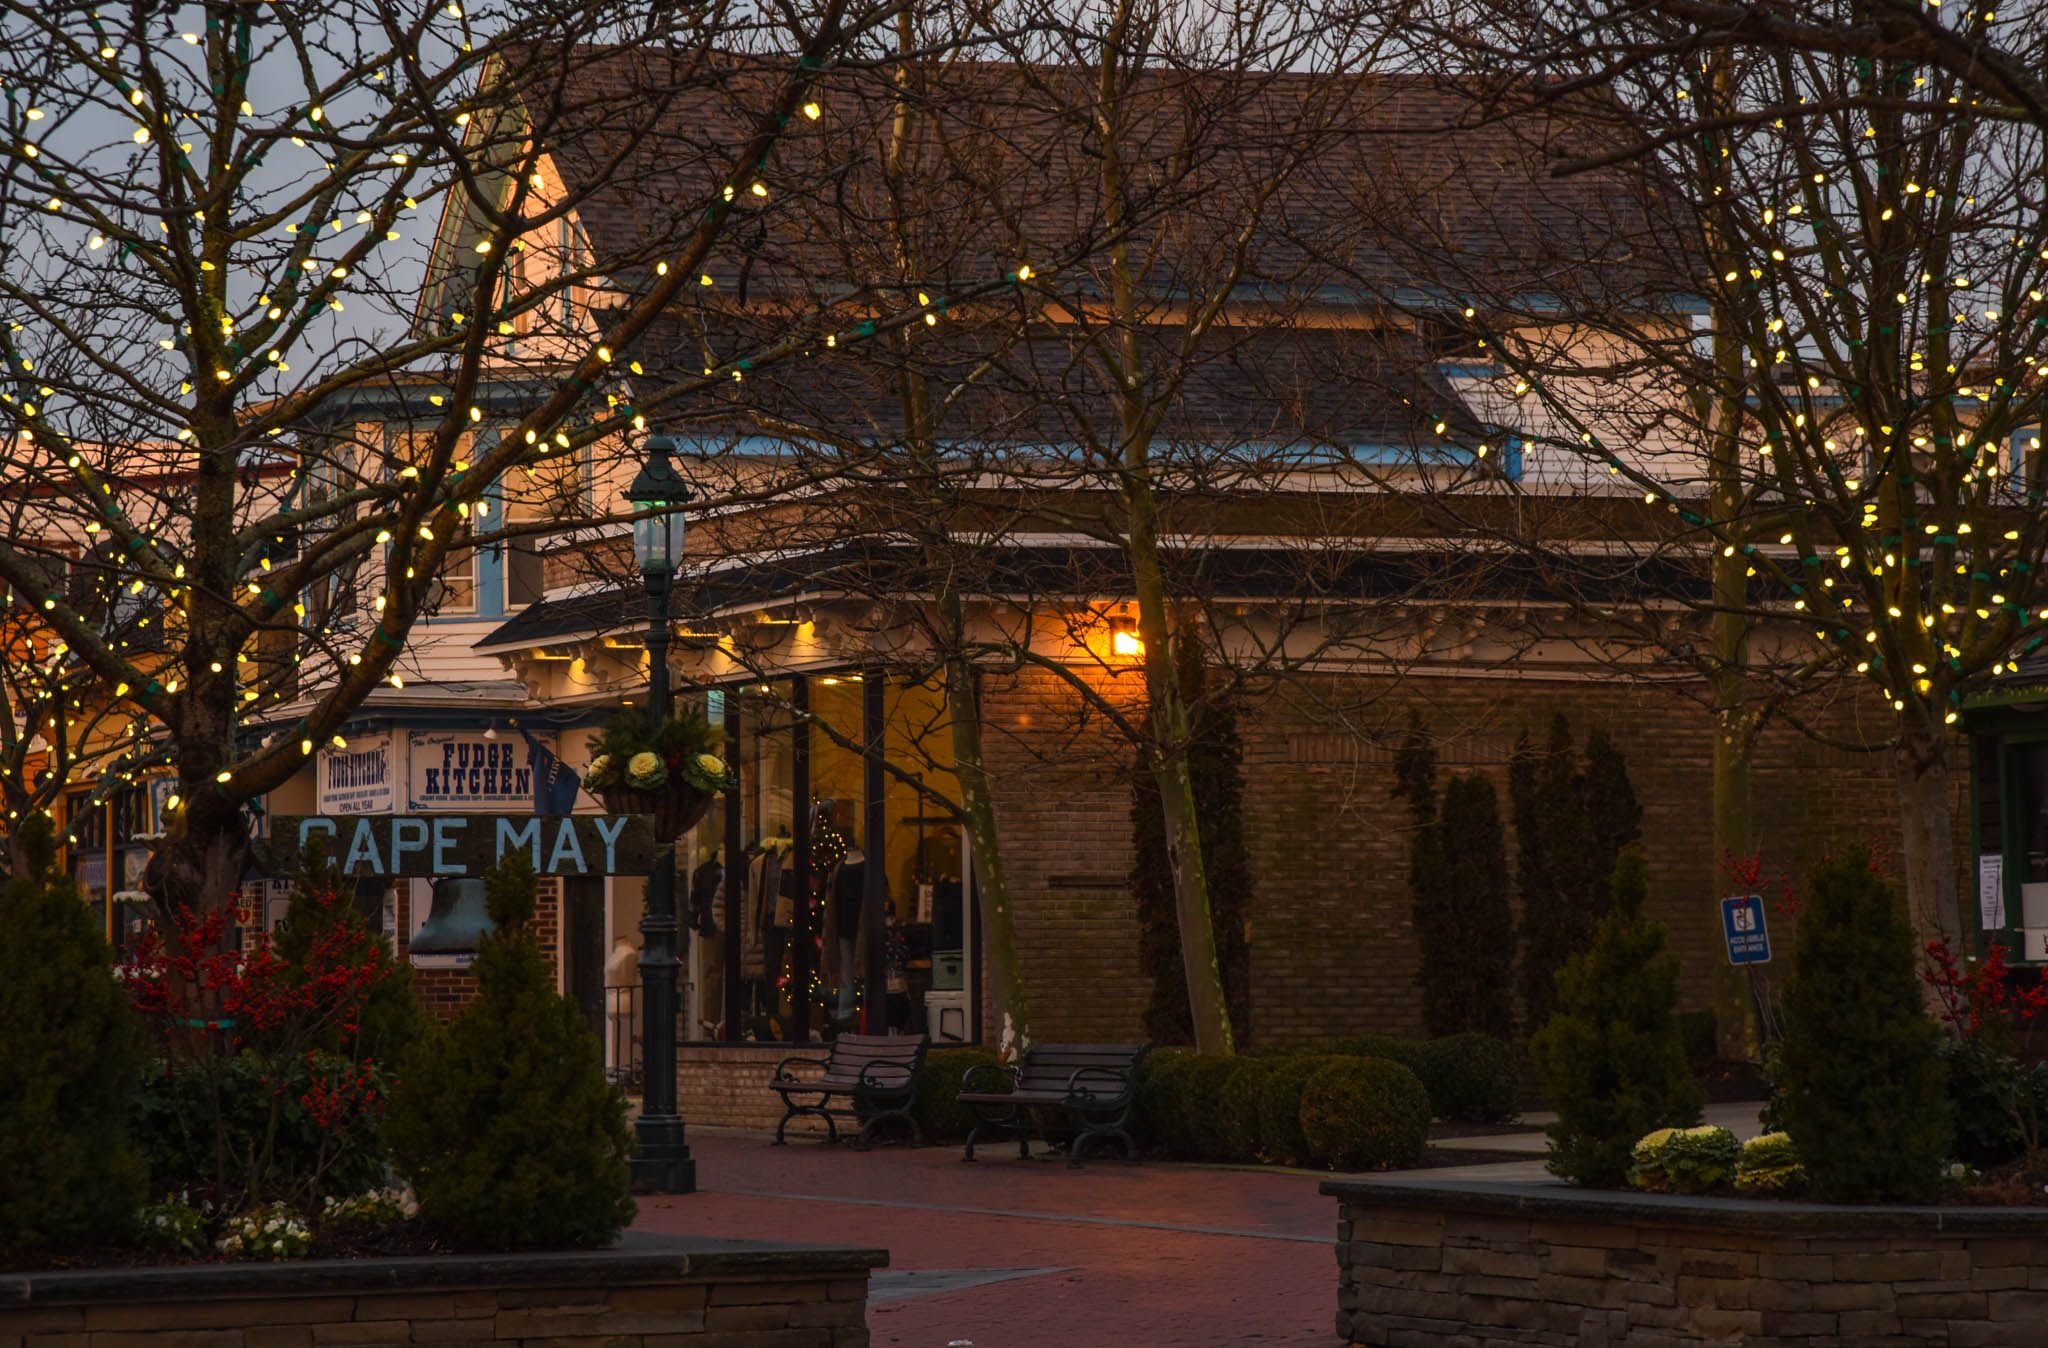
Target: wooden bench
(1094,1085)
(877,1074)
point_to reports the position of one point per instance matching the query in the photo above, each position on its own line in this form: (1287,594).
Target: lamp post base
(663,1164)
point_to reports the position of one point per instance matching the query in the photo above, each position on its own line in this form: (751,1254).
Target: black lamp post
(663,1165)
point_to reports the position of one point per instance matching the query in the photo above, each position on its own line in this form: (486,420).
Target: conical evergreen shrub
(71,1052)
(1860,1078)
(504,1121)
(1571,822)
(1611,1059)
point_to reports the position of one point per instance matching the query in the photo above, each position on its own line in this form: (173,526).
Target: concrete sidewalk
(1739,1118)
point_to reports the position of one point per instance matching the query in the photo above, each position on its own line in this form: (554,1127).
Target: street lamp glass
(658,539)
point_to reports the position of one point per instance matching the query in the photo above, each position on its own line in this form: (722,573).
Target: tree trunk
(1208,1007)
(1011,1009)
(1926,831)
(1735,1024)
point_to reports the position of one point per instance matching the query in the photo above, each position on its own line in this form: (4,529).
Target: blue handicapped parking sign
(1742,921)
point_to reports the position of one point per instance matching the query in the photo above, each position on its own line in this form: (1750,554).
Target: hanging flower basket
(663,769)
(676,807)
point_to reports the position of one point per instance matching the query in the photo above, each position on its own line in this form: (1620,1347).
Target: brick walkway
(1029,1254)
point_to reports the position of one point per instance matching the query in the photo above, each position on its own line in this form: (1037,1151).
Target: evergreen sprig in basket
(665,769)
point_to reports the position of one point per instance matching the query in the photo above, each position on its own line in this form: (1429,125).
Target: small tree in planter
(70,1052)
(1612,1060)
(504,1121)
(662,768)
(1860,1079)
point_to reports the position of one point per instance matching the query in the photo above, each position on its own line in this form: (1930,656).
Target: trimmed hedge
(938,1109)
(1238,1129)
(1198,1127)
(1159,1106)
(1470,1078)
(1364,1114)
(1280,1107)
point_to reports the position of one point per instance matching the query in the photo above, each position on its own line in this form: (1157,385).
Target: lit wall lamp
(1125,641)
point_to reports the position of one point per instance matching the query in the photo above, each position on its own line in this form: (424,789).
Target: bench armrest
(782,1072)
(899,1075)
(1078,1085)
(999,1077)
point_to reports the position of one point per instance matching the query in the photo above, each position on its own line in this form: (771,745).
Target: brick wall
(726,1085)
(809,1301)
(1332,947)
(1526,1266)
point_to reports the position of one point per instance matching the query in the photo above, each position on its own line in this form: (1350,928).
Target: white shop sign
(461,770)
(361,779)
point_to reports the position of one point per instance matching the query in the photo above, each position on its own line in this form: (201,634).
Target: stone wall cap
(1555,1198)
(638,1256)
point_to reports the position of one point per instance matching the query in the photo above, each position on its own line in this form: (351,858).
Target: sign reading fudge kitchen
(427,845)
(361,779)
(461,770)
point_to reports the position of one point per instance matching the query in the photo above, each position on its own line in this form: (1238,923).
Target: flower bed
(1422,1261)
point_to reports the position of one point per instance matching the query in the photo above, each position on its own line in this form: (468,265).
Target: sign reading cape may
(423,846)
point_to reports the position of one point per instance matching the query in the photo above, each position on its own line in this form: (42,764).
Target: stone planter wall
(648,1291)
(1473,1263)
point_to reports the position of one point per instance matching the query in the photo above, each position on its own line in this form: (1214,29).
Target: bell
(456,920)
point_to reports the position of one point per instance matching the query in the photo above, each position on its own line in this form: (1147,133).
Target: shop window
(812,940)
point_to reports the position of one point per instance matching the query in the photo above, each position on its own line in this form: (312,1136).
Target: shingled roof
(1393,169)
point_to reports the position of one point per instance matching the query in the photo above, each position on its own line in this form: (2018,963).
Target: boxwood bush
(1364,1114)
(1159,1104)
(1470,1078)
(1280,1107)
(1201,1105)
(1237,1109)
(938,1109)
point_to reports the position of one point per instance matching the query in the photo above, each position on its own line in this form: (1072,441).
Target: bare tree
(212,314)
(1846,435)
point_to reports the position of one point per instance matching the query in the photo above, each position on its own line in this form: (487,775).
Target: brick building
(1359,520)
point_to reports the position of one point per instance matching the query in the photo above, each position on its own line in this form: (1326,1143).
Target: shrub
(1410,1053)
(1463,919)
(1861,1080)
(1364,1114)
(1201,1105)
(1159,1103)
(1985,1098)
(1769,1165)
(261,1128)
(1571,824)
(1280,1107)
(1610,1060)
(1470,1078)
(938,1109)
(1237,1109)
(504,1122)
(324,932)
(70,1051)
(1684,1160)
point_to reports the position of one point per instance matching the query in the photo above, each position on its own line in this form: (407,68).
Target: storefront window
(902,965)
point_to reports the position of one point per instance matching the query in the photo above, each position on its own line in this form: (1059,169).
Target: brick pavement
(1109,1256)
